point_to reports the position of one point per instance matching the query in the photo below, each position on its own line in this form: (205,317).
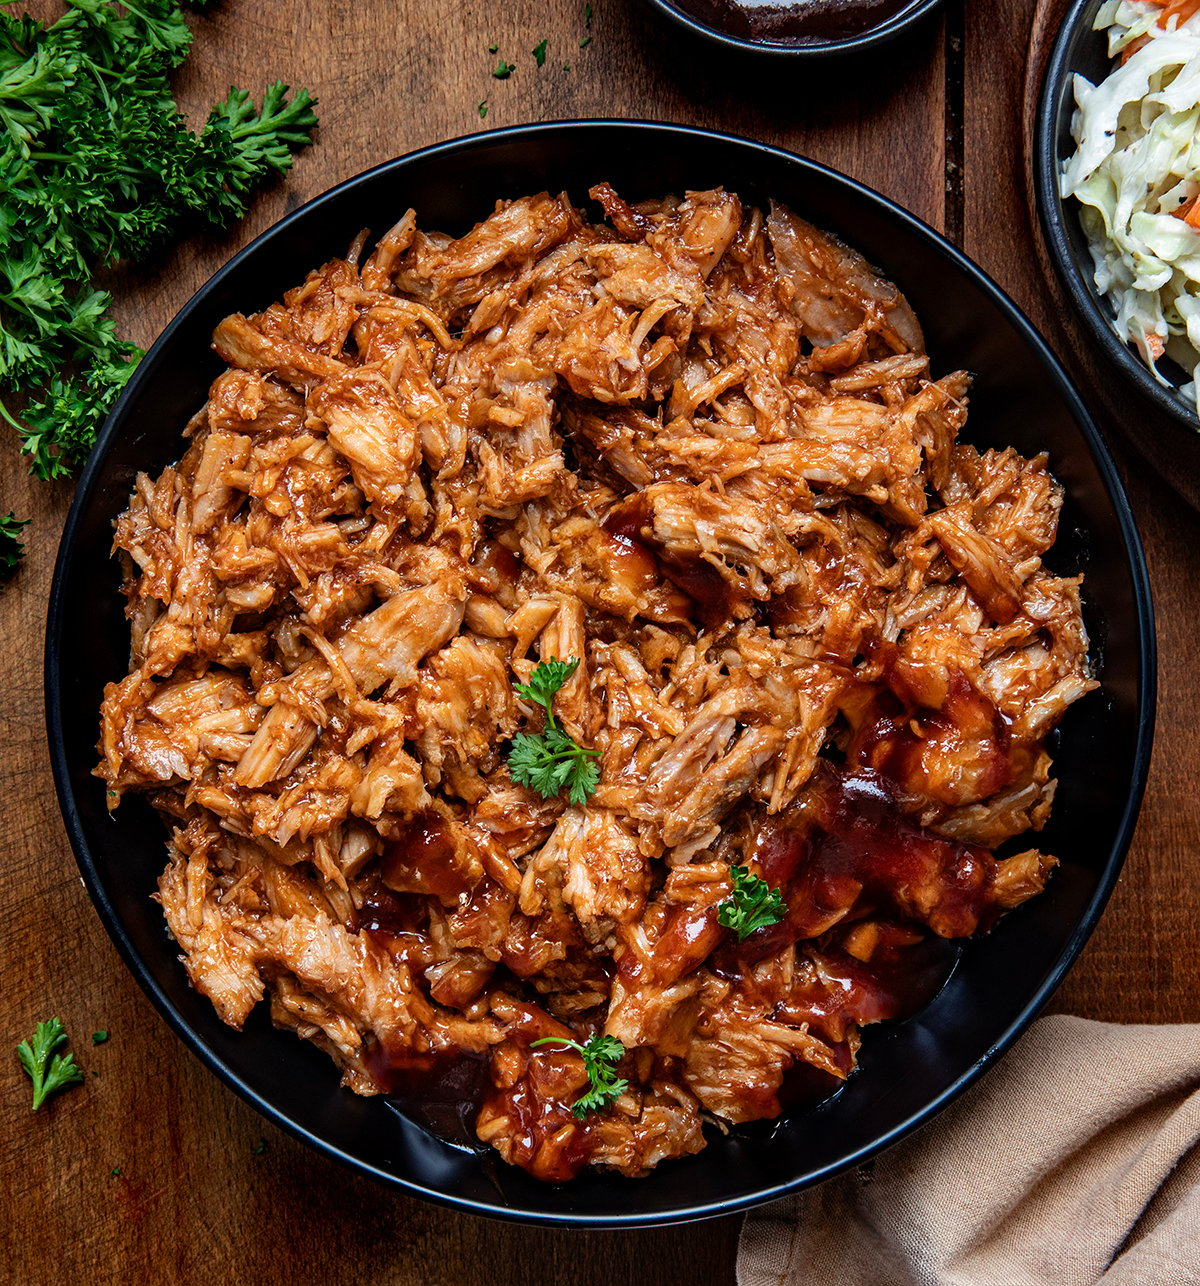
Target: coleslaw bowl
(1159,420)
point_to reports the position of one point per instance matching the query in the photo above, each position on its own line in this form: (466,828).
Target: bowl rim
(1143,640)
(1053,214)
(814,49)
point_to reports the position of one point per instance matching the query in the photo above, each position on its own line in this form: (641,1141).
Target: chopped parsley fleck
(504,70)
(583,44)
(99,1037)
(539,53)
(482,108)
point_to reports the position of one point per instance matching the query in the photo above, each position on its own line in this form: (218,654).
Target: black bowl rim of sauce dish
(817,47)
(1079,49)
(908,1070)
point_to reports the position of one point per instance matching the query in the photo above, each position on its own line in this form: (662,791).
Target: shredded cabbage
(1137,162)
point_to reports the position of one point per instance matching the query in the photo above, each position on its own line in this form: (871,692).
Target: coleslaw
(1136,175)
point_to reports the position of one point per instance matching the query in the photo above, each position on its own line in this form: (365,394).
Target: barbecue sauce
(855,855)
(713,596)
(534,1091)
(422,859)
(837,864)
(897,736)
(384,912)
(547,1140)
(637,564)
(846,848)
(799,23)
(442,1091)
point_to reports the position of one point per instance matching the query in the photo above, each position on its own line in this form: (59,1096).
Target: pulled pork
(697,447)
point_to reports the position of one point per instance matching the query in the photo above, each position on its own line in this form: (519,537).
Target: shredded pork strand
(698,448)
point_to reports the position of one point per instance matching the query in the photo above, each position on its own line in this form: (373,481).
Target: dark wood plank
(193,1201)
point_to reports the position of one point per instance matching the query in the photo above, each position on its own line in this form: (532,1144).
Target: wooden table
(198,1198)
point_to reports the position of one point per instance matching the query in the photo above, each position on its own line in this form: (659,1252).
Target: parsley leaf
(482,108)
(12,550)
(754,904)
(539,52)
(550,761)
(545,680)
(504,70)
(600,1055)
(583,44)
(49,1072)
(260,140)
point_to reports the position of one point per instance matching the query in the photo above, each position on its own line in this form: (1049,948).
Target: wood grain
(193,1200)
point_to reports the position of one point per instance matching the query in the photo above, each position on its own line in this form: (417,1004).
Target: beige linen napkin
(1076,1161)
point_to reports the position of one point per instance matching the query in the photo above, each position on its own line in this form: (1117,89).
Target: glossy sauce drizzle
(440,1091)
(423,860)
(713,596)
(855,855)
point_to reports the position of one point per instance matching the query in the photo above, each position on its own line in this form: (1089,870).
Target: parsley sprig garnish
(754,904)
(49,1072)
(98,165)
(550,761)
(600,1057)
(12,548)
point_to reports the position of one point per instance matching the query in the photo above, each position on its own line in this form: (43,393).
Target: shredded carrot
(1190,213)
(1134,45)
(1180,9)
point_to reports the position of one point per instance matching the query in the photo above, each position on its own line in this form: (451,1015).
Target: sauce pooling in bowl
(799,23)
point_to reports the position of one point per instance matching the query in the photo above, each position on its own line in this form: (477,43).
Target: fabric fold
(1074,1162)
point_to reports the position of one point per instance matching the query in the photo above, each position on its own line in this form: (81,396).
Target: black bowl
(711,21)
(909,1070)
(1079,49)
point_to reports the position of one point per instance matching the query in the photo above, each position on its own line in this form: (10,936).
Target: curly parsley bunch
(98,165)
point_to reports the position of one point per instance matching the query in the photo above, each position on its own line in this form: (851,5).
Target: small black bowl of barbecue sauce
(797,27)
